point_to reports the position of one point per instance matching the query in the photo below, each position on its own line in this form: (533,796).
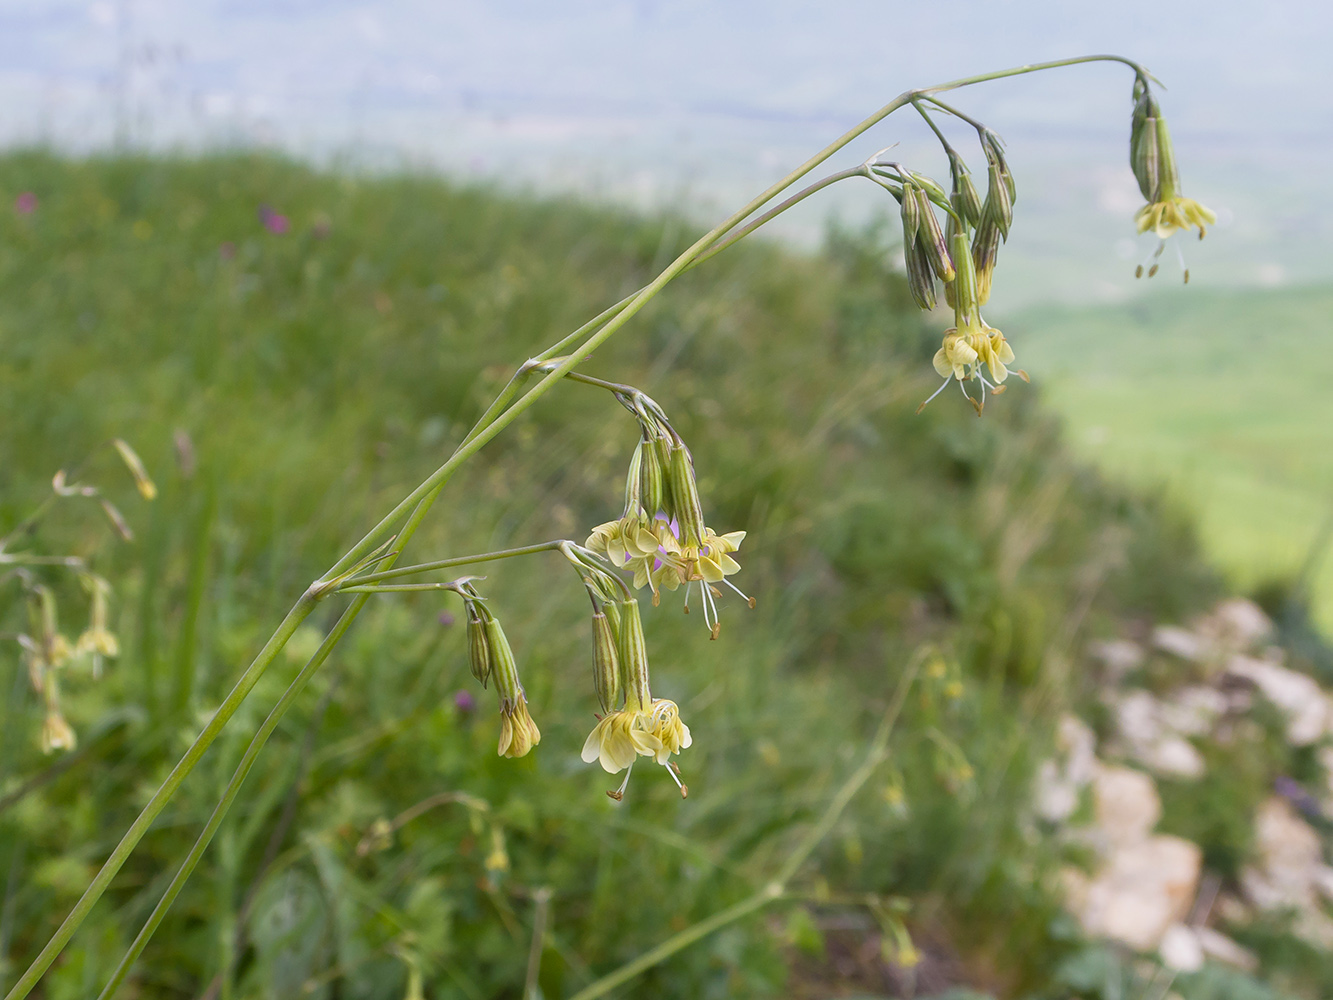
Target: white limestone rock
(1308,711)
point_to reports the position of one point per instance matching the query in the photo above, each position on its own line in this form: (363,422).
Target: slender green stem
(23,559)
(1000,74)
(950,109)
(158,802)
(874,757)
(592,324)
(948,149)
(541,908)
(229,795)
(775,211)
(675,943)
(399,588)
(247,761)
(777,888)
(392,574)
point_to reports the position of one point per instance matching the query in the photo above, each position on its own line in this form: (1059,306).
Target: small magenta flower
(25,203)
(274,222)
(464,702)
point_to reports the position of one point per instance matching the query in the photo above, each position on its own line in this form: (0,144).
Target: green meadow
(288,384)
(1218,398)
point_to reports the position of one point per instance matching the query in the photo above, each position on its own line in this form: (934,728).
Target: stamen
(619,793)
(935,393)
(717,622)
(672,770)
(748,599)
(1151,259)
(1180,256)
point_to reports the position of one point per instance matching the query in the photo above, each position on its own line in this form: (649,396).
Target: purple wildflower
(26,203)
(274,222)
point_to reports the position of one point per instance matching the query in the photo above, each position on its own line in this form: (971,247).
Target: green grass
(1220,397)
(318,377)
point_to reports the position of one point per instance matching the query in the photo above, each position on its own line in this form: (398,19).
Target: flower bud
(998,208)
(684,494)
(633,653)
(932,190)
(605,663)
(503,667)
(478,647)
(1143,157)
(964,198)
(985,251)
(633,486)
(1168,174)
(920,277)
(518,733)
(1000,188)
(965,284)
(993,147)
(911,216)
(932,238)
(653,479)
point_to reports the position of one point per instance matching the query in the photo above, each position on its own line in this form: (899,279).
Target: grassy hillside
(1220,397)
(286,388)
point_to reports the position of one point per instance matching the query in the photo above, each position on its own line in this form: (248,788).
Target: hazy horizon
(698,106)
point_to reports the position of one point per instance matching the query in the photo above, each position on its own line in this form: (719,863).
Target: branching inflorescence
(661,540)
(47,652)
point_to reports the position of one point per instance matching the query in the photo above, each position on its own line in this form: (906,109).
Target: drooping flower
(1166,217)
(629,543)
(956,356)
(971,347)
(56,733)
(994,351)
(1152,157)
(707,563)
(666,726)
(518,733)
(618,739)
(644,726)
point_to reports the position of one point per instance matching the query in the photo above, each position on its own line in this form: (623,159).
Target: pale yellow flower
(619,739)
(714,560)
(1171,214)
(518,733)
(664,722)
(98,640)
(629,543)
(956,355)
(56,733)
(994,351)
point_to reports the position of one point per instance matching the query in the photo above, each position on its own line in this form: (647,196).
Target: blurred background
(289,250)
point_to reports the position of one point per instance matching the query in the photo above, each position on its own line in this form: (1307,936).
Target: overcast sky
(703,103)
